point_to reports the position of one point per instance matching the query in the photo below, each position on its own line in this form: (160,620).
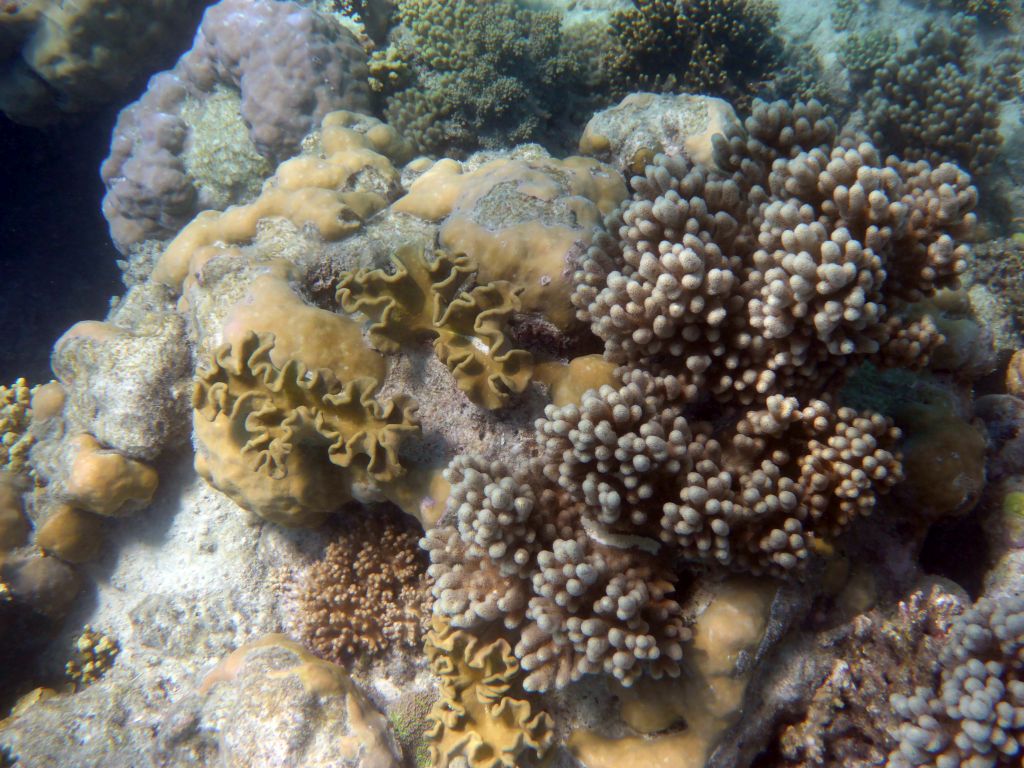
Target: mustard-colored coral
(15,415)
(71,534)
(95,654)
(425,297)
(103,481)
(334,193)
(13,523)
(273,438)
(1015,374)
(483,719)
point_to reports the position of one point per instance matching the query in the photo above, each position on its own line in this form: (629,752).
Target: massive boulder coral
(60,58)
(975,713)
(305,66)
(273,438)
(525,219)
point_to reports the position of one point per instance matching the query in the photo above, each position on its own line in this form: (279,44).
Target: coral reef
(96,653)
(61,58)
(775,278)
(15,416)
(722,49)
(305,66)
(483,719)
(912,94)
(428,298)
(272,438)
(974,714)
(459,75)
(366,594)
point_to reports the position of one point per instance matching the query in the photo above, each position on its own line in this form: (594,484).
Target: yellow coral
(1015,374)
(71,534)
(274,437)
(103,481)
(95,654)
(425,297)
(483,719)
(325,192)
(15,415)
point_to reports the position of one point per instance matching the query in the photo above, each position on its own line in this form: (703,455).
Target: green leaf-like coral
(425,297)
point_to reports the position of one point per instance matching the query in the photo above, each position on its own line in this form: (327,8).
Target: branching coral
(484,719)
(95,654)
(424,298)
(780,274)
(975,714)
(273,438)
(460,75)
(934,102)
(368,593)
(721,47)
(15,415)
(518,553)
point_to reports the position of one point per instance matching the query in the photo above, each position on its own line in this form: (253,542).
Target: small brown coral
(368,592)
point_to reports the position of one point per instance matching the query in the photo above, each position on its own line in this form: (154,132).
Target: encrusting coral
(276,439)
(367,593)
(974,715)
(424,298)
(483,719)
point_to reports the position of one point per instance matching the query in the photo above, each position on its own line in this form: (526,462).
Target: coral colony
(554,384)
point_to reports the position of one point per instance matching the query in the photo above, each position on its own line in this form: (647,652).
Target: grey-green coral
(459,75)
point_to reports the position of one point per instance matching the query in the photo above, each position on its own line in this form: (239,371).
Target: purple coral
(305,66)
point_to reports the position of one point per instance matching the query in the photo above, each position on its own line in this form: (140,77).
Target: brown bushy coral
(367,593)
(720,47)
(935,102)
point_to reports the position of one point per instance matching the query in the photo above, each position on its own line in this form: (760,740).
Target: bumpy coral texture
(975,714)
(460,75)
(719,47)
(935,102)
(277,421)
(15,415)
(424,298)
(518,553)
(483,718)
(305,66)
(778,273)
(368,593)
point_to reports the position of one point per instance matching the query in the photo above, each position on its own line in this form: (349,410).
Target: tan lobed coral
(277,439)
(95,653)
(484,719)
(14,526)
(334,191)
(423,298)
(106,482)
(368,592)
(521,219)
